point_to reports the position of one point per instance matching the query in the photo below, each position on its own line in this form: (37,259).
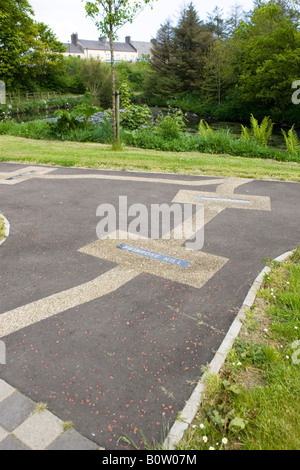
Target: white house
(130,51)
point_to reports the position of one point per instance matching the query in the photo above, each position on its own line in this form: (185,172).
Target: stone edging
(189,412)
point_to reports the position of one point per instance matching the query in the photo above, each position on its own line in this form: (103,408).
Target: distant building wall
(129,51)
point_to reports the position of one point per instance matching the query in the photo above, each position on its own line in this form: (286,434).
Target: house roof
(72,49)
(142,47)
(104,46)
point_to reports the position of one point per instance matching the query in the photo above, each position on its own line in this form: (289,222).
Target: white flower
(204,438)
(224,440)
(211,448)
(202,426)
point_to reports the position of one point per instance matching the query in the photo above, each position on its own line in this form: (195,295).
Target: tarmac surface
(113,339)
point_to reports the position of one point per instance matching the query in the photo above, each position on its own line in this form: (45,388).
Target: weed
(204,128)
(67,425)
(39,407)
(291,141)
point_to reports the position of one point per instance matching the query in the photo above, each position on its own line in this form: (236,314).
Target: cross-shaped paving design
(112,333)
(201,266)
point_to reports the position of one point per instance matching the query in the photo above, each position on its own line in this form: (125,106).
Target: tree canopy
(29,50)
(250,59)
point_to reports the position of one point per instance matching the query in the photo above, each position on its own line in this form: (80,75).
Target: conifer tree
(216,23)
(162,80)
(163,47)
(192,40)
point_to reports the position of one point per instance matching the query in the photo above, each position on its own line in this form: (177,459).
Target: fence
(44,95)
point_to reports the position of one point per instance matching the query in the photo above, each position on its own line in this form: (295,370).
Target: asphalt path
(111,340)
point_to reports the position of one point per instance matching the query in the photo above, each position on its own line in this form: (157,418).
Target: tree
(268,57)
(217,72)
(45,63)
(162,79)
(96,77)
(109,16)
(30,54)
(17,33)
(216,23)
(192,41)
(236,16)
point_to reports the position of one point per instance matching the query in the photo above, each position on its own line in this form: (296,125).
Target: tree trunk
(113,80)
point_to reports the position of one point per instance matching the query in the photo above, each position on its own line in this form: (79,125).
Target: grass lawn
(254,402)
(101,156)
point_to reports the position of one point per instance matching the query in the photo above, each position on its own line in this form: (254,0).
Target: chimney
(74,38)
(128,39)
(103,39)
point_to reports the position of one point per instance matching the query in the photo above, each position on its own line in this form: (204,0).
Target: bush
(77,118)
(132,116)
(217,142)
(39,130)
(171,125)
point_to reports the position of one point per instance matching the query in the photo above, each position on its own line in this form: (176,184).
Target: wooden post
(118,115)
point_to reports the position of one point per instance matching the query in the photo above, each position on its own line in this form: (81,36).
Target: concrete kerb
(189,412)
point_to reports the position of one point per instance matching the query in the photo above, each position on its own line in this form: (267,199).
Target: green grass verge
(254,402)
(101,156)
(2,229)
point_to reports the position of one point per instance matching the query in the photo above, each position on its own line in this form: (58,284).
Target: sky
(68,16)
